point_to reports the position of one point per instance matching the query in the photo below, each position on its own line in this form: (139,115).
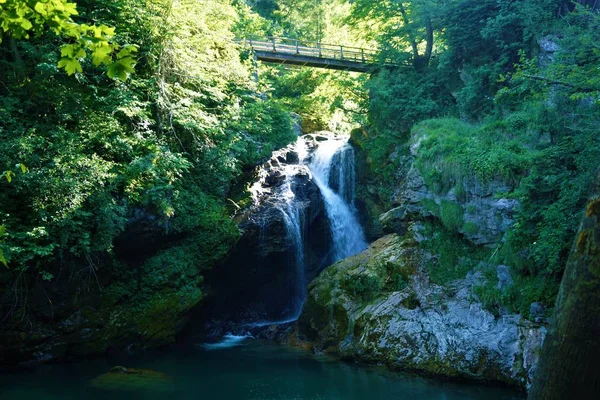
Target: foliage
(159,152)
(450,150)
(453,256)
(24,19)
(501,114)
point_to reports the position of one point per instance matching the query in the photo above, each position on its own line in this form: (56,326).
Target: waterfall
(302,219)
(343,180)
(292,218)
(338,194)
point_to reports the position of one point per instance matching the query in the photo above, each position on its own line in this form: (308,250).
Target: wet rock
(133,379)
(264,257)
(292,157)
(275,178)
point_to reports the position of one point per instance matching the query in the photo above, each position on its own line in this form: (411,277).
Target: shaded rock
(504,277)
(133,379)
(538,312)
(548,46)
(296,123)
(394,221)
(483,218)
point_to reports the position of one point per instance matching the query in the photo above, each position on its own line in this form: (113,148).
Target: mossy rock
(133,379)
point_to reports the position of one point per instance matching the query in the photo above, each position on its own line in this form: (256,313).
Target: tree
(402,25)
(568,366)
(24,19)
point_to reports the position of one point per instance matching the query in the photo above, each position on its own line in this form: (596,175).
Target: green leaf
(26,24)
(127,51)
(121,69)
(23,168)
(101,55)
(2,230)
(8,175)
(70,65)
(2,259)
(40,8)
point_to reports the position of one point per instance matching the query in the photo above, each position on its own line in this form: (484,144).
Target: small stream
(241,369)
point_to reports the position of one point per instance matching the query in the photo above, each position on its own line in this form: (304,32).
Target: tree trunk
(429,47)
(569,366)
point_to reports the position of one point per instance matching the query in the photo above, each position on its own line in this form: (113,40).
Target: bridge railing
(311,49)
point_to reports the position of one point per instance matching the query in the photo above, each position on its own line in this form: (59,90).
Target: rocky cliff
(412,301)
(381,307)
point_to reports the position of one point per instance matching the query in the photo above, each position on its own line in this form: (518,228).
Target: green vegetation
(453,256)
(23,19)
(132,122)
(155,155)
(488,105)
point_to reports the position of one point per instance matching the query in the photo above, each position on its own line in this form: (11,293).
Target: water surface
(238,369)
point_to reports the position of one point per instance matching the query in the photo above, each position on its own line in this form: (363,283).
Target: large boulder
(380,307)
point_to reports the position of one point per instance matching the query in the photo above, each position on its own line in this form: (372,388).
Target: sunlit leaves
(24,19)
(124,65)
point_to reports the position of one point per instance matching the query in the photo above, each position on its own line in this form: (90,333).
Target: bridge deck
(294,52)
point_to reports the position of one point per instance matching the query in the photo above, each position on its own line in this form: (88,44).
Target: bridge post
(342,52)
(274,48)
(297,49)
(362,53)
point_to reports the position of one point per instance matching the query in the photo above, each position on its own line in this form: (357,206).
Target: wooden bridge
(311,54)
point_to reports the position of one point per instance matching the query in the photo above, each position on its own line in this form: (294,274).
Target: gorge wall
(413,300)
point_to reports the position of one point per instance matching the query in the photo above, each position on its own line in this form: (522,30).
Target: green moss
(453,256)
(470,228)
(411,302)
(431,206)
(452,215)
(517,298)
(365,285)
(460,192)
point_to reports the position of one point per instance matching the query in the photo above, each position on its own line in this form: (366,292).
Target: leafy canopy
(25,19)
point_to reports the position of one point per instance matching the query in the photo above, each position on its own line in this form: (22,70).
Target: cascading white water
(348,236)
(292,218)
(330,165)
(346,175)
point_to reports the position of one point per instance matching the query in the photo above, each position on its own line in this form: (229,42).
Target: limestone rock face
(482,215)
(380,307)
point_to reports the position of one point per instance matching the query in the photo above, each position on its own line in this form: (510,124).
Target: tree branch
(567,84)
